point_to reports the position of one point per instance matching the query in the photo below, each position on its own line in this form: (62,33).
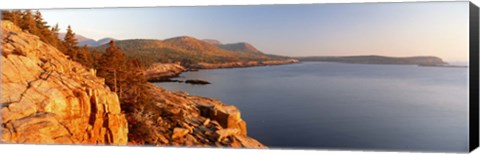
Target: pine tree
(39,22)
(57,42)
(6,15)
(84,57)
(35,24)
(55,29)
(111,67)
(13,16)
(122,76)
(70,40)
(27,22)
(43,30)
(16,17)
(70,43)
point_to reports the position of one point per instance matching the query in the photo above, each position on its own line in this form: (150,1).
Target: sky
(389,29)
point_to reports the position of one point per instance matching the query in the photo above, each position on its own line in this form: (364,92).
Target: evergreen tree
(28,23)
(84,57)
(36,25)
(70,43)
(111,67)
(16,17)
(13,16)
(70,40)
(39,22)
(6,15)
(56,41)
(43,30)
(122,76)
(55,30)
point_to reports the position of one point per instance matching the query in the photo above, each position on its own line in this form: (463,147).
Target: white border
(76,149)
(34,4)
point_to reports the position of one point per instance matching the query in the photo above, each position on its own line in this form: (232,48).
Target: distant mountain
(242,46)
(189,43)
(185,49)
(103,41)
(82,40)
(374,59)
(212,41)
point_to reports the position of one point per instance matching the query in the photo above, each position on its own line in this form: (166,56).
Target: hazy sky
(391,29)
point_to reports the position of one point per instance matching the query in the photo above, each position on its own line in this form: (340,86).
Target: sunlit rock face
(49,99)
(187,120)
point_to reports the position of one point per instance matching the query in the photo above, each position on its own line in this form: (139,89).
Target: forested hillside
(185,50)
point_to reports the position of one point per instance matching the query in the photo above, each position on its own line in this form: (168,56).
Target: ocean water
(323,105)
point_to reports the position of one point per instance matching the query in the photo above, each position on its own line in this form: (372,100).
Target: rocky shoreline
(192,121)
(159,72)
(163,72)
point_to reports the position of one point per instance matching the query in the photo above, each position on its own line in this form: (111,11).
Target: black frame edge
(474,77)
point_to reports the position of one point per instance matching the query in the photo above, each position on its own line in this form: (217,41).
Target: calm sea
(345,106)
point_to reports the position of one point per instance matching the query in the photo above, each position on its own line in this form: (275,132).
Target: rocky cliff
(49,99)
(179,119)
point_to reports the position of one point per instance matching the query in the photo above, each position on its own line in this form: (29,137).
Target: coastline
(243,64)
(190,121)
(163,72)
(204,121)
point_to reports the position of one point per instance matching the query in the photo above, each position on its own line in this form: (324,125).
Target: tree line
(122,75)
(34,23)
